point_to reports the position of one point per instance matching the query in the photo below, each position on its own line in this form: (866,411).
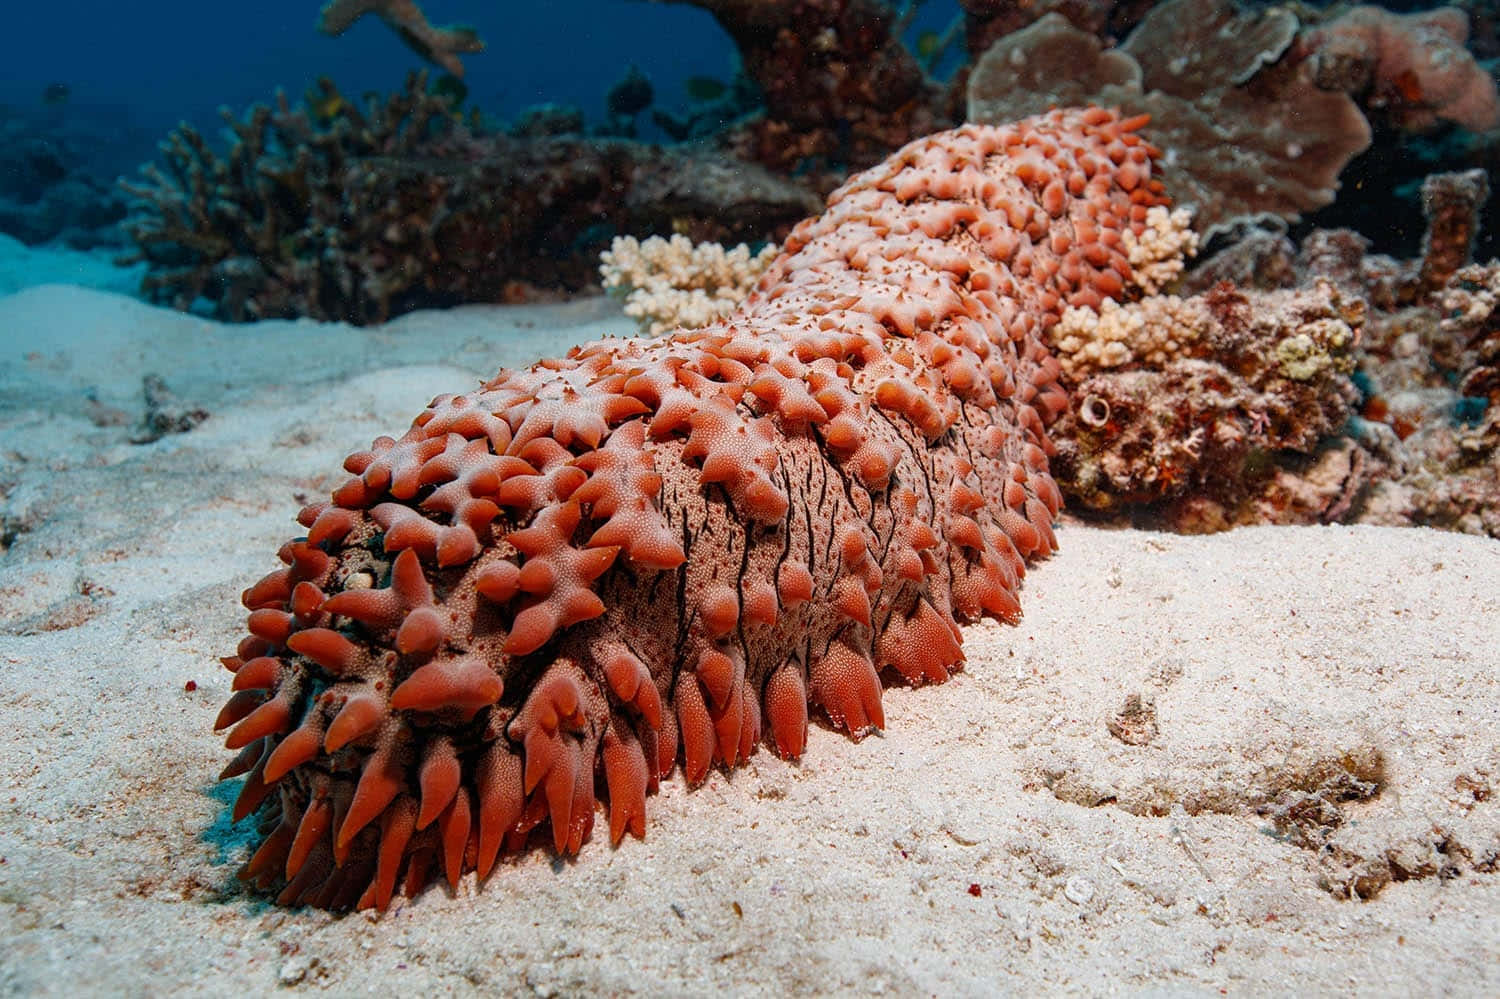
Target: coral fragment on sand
(671,283)
(662,552)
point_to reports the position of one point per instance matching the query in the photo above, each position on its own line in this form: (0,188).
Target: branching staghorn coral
(670,283)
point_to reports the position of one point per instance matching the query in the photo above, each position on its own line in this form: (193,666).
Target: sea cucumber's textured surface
(573,578)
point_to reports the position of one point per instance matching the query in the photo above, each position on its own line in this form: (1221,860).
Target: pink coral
(638,554)
(1414,66)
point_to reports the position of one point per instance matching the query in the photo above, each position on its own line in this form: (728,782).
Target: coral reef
(1412,68)
(1419,450)
(672,283)
(332,212)
(987,21)
(1247,130)
(840,91)
(1258,107)
(47,192)
(1451,205)
(1431,417)
(1022,68)
(1470,306)
(707,117)
(637,554)
(547,119)
(1180,422)
(1182,409)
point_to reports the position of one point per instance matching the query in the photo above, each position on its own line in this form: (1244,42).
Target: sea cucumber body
(653,553)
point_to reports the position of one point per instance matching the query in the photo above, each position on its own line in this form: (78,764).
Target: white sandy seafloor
(999,837)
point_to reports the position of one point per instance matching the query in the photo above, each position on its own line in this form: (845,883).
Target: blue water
(131,72)
(88,90)
(145,66)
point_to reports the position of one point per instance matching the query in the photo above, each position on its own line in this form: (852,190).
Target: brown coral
(840,89)
(330,211)
(1245,127)
(1412,67)
(651,551)
(439,45)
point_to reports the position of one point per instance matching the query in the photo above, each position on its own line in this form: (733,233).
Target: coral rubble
(47,190)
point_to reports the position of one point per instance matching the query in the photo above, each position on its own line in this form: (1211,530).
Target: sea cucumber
(579,575)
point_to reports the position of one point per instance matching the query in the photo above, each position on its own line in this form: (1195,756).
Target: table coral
(652,552)
(1244,125)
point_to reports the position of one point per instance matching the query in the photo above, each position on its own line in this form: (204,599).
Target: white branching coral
(1159,253)
(1153,331)
(672,283)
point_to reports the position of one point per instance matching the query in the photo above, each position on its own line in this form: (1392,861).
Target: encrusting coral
(1190,403)
(652,551)
(671,283)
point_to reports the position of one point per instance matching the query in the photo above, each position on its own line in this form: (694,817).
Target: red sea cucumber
(578,575)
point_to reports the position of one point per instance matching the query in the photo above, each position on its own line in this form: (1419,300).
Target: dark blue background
(142,67)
